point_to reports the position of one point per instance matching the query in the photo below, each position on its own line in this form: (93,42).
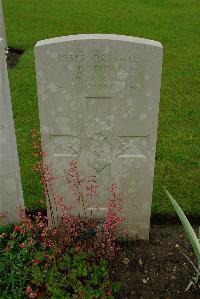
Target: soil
(13,56)
(156,269)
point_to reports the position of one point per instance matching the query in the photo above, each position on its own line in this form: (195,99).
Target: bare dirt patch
(155,269)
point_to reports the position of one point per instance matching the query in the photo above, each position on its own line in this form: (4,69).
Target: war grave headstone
(99,103)
(10,182)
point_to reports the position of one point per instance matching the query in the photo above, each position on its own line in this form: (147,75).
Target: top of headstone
(113,37)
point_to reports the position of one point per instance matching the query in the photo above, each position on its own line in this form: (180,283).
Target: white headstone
(2,26)
(10,183)
(99,102)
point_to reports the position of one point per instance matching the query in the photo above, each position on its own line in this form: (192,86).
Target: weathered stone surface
(2,26)
(10,182)
(99,103)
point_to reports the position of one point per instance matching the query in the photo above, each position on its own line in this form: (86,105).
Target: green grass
(175,23)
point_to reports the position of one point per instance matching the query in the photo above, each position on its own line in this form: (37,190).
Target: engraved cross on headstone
(99,144)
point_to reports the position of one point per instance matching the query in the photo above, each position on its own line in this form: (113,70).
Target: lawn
(175,23)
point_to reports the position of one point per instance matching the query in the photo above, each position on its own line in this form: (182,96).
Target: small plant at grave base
(19,248)
(69,260)
(195,242)
(34,263)
(74,275)
(89,234)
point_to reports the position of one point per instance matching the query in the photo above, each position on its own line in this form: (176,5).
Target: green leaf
(188,228)
(106,283)
(116,286)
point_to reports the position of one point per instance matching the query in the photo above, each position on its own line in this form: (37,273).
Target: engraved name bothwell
(104,71)
(98,104)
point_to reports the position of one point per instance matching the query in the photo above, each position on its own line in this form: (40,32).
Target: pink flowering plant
(67,255)
(86,233)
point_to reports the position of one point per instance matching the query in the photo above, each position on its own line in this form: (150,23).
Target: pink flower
(72,177)
(91,187)
(31,242)
(28,290)
(59,200)
(22,245)
(36,261)
(21,213)
(40,225)
(17,228)
(113,189)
